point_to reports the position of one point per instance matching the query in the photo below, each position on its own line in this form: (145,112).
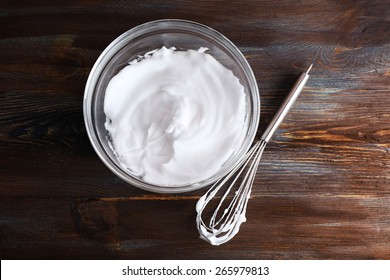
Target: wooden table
(322,190)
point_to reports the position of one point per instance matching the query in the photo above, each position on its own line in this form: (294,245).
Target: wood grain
(323,187)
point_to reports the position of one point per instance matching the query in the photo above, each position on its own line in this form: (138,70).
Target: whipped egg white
(175,117)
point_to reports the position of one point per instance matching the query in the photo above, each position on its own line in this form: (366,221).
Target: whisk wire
(240,167)
(243,190)
(227,225)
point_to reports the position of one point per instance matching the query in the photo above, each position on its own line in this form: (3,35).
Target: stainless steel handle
(286,105)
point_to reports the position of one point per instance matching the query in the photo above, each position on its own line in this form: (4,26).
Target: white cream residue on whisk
(219,235)
(175,117)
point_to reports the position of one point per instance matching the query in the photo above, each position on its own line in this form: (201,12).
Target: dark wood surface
(323,187)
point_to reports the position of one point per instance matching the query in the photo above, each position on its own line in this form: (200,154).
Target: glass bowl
(183,35)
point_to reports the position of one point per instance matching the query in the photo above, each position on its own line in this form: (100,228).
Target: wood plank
(278,227)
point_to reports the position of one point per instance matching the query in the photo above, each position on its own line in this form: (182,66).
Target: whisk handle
(286,105)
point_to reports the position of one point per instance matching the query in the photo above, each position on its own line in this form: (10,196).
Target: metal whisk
(224,226)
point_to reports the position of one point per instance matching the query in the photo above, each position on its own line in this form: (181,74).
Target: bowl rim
(121,41)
